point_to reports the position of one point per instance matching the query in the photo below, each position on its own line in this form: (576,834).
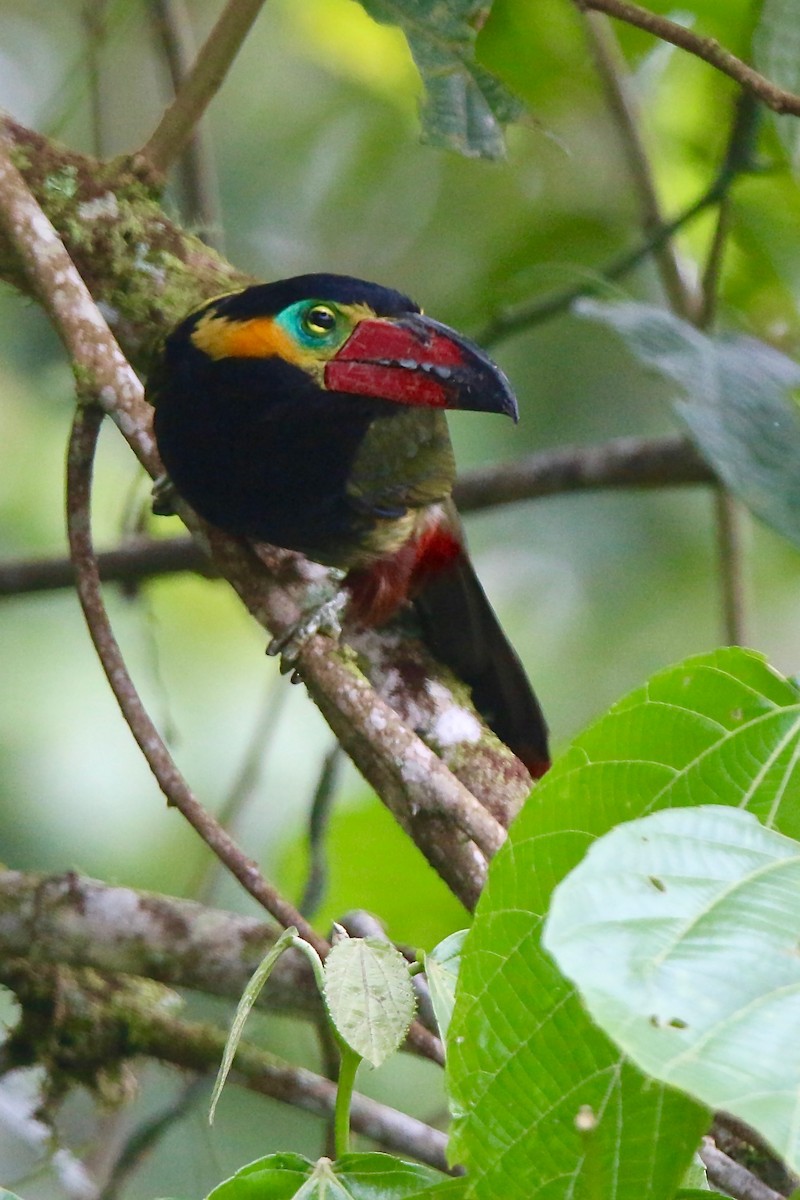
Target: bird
(309,413)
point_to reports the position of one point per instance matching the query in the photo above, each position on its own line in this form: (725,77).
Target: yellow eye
(320,320)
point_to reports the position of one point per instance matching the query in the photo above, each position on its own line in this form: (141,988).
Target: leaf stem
(344,1095)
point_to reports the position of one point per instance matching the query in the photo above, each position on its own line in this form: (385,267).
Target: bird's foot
(324,618)
(163,497)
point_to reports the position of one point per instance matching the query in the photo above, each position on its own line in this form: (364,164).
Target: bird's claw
(325,618)
(163,497)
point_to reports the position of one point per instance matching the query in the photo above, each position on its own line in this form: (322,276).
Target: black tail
(460,627)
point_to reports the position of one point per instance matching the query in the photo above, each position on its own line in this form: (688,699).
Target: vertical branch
(612,70)
(201,84)
(728,514)
(197,169)
(94,20)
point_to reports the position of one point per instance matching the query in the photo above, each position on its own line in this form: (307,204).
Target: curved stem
(344,1096)
(80,462)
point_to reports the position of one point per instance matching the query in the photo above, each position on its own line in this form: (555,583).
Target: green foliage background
(320,167)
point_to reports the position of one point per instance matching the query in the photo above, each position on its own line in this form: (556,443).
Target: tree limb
(706,48)
(201,84)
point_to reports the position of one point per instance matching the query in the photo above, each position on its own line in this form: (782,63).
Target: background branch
(201,84)
(706,48)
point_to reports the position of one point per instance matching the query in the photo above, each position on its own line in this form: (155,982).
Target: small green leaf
(351,1177)
(249,997)
(736,403)
(681,932)
(466,107)
(369,996)
(441,969)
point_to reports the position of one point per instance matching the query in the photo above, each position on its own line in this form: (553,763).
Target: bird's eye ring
(320,320)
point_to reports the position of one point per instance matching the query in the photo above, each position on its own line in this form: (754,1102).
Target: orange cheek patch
(260,337)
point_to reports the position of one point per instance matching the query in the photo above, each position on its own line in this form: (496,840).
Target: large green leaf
(736,402)
(548,1105)
(681,932)
(351,1177)
(466,107)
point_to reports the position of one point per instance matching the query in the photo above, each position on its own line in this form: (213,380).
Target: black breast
(257,449)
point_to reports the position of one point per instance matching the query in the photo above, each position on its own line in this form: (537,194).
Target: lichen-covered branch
(74,921)
(85,1028)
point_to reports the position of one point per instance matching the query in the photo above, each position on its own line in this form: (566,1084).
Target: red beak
(414,360)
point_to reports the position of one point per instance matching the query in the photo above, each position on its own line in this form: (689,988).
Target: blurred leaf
(466,107)
(351,1177)
(441,969)
(680,931)
(738,406)
(776,53)
(525,1063)
(416,907)
(249,996)
(369,996)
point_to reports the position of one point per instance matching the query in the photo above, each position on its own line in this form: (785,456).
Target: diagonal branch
(201,84)
(706,48)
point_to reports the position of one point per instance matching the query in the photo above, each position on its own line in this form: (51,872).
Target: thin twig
(201,84)
(706,48)
(321,803)
(94,20)
(729,518)
(136,559)
(613,72)
(732,1177)
(739,159)
(727,511)
(197,168)
(80,461)
(536,312)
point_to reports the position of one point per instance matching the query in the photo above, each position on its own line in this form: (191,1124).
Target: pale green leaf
(465,107)
(736,401)
(369,996)
(681,932)
(441,970)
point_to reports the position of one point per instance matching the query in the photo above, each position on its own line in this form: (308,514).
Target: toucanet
(310,413)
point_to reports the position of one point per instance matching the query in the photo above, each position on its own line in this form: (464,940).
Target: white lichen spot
(41,228)
(109,313)
(377,720)
(102,206)
(456,725)
(140,261)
